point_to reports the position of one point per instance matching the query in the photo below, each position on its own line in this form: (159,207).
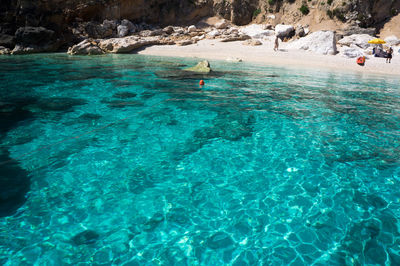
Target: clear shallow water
(126,161)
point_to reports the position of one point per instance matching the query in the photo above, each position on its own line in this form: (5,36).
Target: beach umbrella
(377,41)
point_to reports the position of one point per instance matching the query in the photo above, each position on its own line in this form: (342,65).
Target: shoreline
(228,51)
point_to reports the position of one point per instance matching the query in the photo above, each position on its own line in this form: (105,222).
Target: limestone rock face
(322,42)
(360,40)
(72,20)
(33,35)
(7,40)
(201,67)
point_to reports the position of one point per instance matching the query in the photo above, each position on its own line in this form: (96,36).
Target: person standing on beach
(389,55)
(276,43)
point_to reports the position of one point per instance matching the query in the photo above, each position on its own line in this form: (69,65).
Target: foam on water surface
(130,162)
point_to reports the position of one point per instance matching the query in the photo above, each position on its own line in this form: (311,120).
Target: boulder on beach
(201,67)
(284,31)
(360,40)
(257,31)
(352,52)
(222,24)
(322,42)
(392,40)
(252,42)
(235,38)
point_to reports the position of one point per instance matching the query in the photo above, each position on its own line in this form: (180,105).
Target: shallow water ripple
(130,162)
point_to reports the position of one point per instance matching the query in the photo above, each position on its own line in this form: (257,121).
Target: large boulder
(127,44)
(322,42)
(360,40)
(256,31)
(85,47)
(392,40)
(122,31)
(233,38)
(201,67)
(284,31)
(222,24)
(131,27)
(352,52)
(300,32)
(192,28)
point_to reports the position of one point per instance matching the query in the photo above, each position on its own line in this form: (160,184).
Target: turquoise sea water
(125,160)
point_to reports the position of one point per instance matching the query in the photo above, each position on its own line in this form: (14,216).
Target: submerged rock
(14,184)
(59,104)
(220,240)
(124,95)
(201,67)
(86,237)
(153,222)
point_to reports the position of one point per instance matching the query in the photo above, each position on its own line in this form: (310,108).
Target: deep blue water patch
(126,160)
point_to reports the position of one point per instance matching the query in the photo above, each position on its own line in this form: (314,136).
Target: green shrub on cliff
(304,9)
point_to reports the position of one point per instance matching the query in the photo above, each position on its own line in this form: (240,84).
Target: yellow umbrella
(377,41)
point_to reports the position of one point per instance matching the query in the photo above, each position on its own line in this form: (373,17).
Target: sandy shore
(214,49)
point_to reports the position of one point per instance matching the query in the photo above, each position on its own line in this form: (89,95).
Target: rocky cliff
(59,18)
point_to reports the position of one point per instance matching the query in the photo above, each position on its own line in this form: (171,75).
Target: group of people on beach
(375,51)
(379,52)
